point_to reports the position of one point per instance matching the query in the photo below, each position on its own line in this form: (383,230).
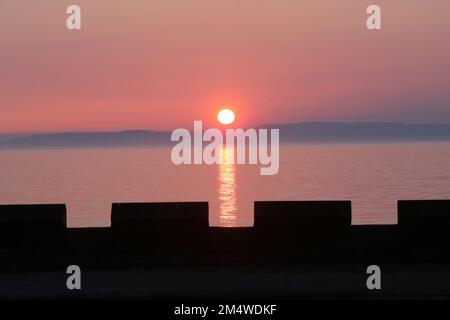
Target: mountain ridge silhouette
(289,133)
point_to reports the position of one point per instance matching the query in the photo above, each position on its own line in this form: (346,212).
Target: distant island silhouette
(306,132)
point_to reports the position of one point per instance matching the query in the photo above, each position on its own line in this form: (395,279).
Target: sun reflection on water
(227,188)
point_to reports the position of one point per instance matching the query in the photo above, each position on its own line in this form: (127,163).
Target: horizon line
(32,133)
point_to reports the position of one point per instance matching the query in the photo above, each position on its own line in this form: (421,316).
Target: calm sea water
(372,176)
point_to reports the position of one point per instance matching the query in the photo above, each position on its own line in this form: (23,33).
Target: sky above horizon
(162,64)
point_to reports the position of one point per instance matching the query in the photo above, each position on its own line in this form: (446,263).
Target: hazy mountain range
(307,132)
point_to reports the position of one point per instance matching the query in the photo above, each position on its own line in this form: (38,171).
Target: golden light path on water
(227,188)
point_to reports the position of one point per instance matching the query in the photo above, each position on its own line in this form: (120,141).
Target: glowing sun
(226,116)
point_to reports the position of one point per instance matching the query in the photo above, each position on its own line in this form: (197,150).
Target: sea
(88,180)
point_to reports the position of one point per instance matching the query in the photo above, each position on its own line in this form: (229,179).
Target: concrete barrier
(424,213)
(90,247)
(296,249)
(376,244)
(337,214)
(425,229)
(32,236)
(151,214)
(308,231)
(159,233)
(46,215)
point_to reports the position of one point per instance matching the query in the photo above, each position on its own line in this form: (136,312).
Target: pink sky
(162,64)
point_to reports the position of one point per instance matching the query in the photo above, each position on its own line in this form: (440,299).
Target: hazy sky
(161,64)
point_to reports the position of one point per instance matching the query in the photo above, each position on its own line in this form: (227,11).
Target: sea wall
(293,238)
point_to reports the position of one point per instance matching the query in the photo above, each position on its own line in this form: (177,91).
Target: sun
(226,116)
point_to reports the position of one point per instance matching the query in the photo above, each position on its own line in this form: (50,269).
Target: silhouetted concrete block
(375,244)
(187,214)
(424,227)
(48,215)
(159,233)
(435,213)
(305,231)
(230,246)
(32,236)
(303,213)
(90,247)
(30,224)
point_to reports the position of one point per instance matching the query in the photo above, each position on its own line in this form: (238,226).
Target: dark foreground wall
(32,235)
(295,249)
(425,226)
